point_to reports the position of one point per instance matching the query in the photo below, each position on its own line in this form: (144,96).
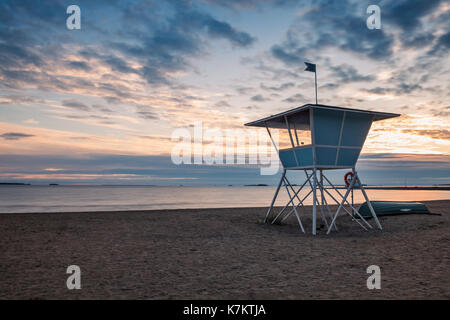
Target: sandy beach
(221,254)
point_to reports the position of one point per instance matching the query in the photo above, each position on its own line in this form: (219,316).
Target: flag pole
(315,76)
(311,67)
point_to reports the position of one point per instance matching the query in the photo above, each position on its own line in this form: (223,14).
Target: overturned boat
(390,208)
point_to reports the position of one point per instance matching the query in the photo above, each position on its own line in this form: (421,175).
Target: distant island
(14,184)
(256,185)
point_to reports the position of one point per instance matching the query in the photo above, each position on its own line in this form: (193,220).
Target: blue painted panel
(326,156)
(356,127)
(348,157)
(304,156)
(287,158)
(327,126)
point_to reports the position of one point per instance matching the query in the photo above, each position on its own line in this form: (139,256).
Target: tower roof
(301,115)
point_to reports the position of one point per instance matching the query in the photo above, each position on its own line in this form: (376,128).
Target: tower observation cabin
(315,138)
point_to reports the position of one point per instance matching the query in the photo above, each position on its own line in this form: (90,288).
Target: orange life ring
(347,183)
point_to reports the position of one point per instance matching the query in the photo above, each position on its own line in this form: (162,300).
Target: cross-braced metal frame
(326,138)
(318,189)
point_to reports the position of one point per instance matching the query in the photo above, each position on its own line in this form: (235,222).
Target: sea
(64,198)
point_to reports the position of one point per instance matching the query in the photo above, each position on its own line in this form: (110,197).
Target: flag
(310,67)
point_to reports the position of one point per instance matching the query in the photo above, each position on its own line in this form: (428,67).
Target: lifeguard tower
(315,138)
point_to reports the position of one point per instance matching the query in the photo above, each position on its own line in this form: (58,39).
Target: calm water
(100,198)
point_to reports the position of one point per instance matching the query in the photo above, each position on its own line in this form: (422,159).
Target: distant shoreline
(431,187)
(405,188)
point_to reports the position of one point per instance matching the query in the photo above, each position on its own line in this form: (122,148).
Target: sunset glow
(112,90)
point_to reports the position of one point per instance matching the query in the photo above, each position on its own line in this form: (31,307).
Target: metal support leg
(369,203)
(292,188)
(348,203)
(348,212)
(321,199)
(275,196)
(342,203)
(314,202)
(291,200)
(328,209)
(317,200)
(353,202)
(295,195)
(295,209)
(300,203)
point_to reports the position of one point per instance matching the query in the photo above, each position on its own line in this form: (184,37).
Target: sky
(99,105)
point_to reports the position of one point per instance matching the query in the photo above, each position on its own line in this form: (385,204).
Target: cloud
(442,45)
(281,87)
(221,29)
(146,64)
(31,121)
(19,99)
(102,108)
(332,31)
(164,48)
(141,41)
(148,115)
(435,134)
(402,19)
(441,113)
(75,105)
(399,89)
(407,14)
(252,4)
(259,98)
(15,136)
(415,20)
(330,86)
(222,104)
(346,74)
(296,98)
(13,56)
(251,108)
(118,64)
(295,56)
(79,65)
(412,40)
(245,90)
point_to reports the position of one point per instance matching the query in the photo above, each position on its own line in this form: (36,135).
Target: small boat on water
(387,208)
